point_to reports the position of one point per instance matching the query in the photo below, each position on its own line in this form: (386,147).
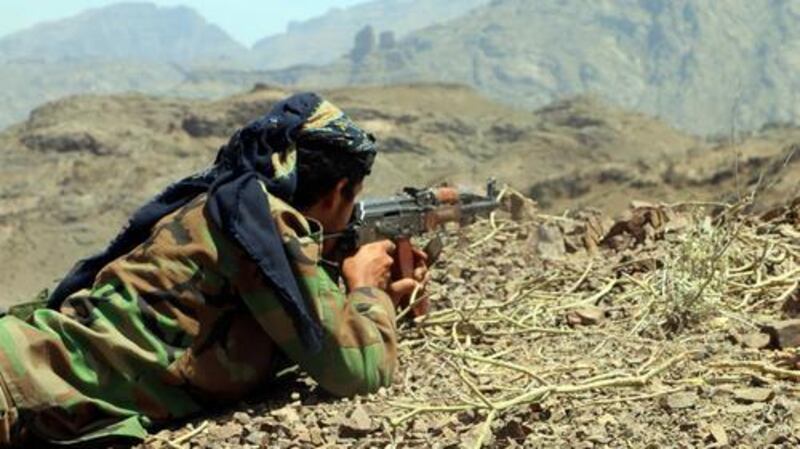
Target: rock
(65,142)
(420,426)
(750,395)
(755,340)
(357,425)
(520,207)
(201,127)
(242,418)
(775,436)
(387,40)
(680,400)
(257,438)
(315,436)
(364,44)
(286,415)
(718,434)
(550,242)
(607,419)
(586,316)
(454,271)
(745,409)
(228,430)
(784,334)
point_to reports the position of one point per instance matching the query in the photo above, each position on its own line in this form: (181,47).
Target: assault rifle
(413,212)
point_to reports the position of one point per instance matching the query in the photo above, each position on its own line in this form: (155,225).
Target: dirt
(500,363)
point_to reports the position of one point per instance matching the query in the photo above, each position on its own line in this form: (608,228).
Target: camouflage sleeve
(359,351)
(359,348)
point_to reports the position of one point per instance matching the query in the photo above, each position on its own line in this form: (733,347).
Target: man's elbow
(363,375)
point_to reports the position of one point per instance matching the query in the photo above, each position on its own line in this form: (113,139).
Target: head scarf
(263,152)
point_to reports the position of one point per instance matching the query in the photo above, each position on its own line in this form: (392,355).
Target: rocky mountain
(706,67)
(323,39)
(27,84)
(125,31)
(141,47)
(127,47)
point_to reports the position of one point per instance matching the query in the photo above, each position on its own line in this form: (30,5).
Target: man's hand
(402,289)
(370,266)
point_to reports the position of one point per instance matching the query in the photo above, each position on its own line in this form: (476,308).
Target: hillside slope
(703,66)
(323,39)
(27,84)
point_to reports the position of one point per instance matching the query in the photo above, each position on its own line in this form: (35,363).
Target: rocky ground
(675,326)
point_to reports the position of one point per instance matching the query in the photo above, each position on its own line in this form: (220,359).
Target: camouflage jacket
(182,322)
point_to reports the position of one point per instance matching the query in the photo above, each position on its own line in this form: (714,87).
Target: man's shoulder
(289,221)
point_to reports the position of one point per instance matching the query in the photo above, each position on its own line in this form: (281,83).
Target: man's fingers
(388,246)
(404,287)
(420,255)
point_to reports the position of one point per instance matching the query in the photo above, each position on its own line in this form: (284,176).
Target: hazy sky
(245,20)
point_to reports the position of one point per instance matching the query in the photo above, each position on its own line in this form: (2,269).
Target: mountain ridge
(139,31)
(333,31)
(703,67)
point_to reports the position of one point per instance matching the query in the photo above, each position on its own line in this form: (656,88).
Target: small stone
(748,409)
(775,436)
(357,425)
(521,208)
(558,414)
(420,426)
(302,433)
(295,396)
(242,418)
(717,432)
(750,395)
(316,436)
(286,415)
(784,334)
(228,430)
(606,420)
(454,271)
(586,316)
(550,242)
(257,438)
(681,400)
(720,322)
(755,340)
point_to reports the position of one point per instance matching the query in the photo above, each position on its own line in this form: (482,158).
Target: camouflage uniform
(182,322)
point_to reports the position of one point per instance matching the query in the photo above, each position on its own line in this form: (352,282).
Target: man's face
(335,209)
(341,211)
